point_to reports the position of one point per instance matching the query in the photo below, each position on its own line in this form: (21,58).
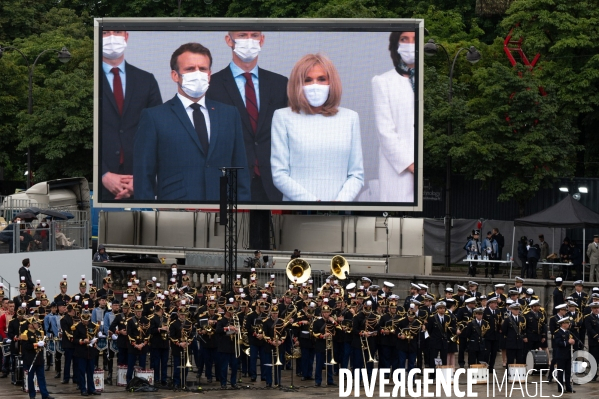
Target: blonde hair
(295,92)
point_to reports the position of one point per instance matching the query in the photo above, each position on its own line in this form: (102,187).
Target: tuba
(340,267)
(298,269)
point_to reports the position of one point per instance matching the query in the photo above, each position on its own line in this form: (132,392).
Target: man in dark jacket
(474,336)
(67,344)
(226,347)
(32,347)
(514,332)
(523,255)
(533,255)
(562,344)
(159,345)
(24,272)
(84,339)
(500,244)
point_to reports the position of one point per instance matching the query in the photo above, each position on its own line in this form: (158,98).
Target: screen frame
(271,24)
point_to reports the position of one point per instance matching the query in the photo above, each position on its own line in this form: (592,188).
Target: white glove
(94,341)
(100,335)
(114,337)
(40,344)
(8,341)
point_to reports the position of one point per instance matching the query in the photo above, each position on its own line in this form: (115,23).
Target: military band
(306,330)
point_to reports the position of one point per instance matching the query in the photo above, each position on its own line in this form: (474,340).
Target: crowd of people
(307,330)
(529,253)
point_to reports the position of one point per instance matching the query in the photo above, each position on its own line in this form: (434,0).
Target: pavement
(255,390)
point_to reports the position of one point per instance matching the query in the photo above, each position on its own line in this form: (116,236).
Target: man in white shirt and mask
(126,91)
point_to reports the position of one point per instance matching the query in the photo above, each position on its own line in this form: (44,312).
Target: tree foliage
(504,129)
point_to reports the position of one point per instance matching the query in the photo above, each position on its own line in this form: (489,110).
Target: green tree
(516,136)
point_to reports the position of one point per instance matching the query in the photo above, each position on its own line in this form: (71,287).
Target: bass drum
(537,359)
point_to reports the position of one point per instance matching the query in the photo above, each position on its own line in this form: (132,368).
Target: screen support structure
(230,180)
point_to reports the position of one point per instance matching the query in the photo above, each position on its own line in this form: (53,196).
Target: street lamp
(63,56)
(473,56)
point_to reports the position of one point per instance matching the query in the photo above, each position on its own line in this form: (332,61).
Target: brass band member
(576,325)
(408,334)
(494,317)
(273,335)
(68,346)
(591,323)
(514,331)
(323,332)
(118,327)
(560,313)
(388,340)
(464,315)
(207,338)
(438,326)
(159,345)
(303,327)
(536,326)
(227,336)
(255,331)
(474,336)
(84,338)
(138,340)
(180,333)
(562,344)
(365,330)
(32,347)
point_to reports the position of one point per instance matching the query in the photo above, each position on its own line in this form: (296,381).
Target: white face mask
(247,49)
(316,94)
(407,51)
(195,84)
(113,46)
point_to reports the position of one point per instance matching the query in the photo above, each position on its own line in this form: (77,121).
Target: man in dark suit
(121,109)
(437,326)
(181,146)
(562,343)
(493,316)
(231,86)
(514,332)
(24,272)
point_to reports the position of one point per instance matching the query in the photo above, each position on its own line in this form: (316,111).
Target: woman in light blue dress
(316,146)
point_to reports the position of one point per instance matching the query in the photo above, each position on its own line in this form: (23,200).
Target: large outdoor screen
(316,114)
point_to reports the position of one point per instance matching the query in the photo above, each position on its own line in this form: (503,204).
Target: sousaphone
(298,269)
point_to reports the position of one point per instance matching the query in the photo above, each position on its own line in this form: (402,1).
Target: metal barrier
(58,235)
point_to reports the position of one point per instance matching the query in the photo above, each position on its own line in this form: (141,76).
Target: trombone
(369,324)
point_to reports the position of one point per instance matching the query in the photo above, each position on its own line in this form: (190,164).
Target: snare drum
(516,372)
(536,359)
(148,374)
(25,382)
(481,373)
(121,376)
(99,380)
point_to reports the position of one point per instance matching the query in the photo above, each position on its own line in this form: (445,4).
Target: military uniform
(33,360)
